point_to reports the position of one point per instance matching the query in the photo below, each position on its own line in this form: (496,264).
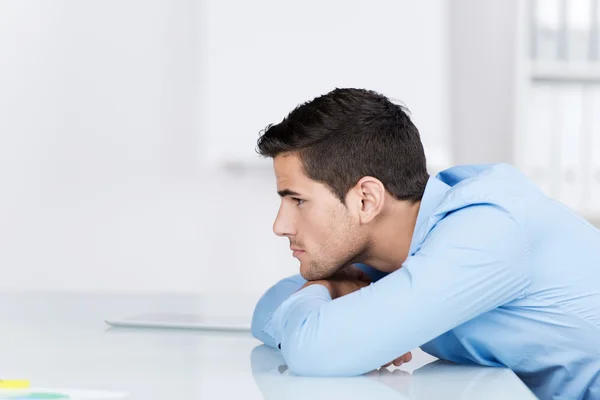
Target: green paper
(36,396)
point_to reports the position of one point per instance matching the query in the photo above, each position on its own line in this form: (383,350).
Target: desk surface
(60,340)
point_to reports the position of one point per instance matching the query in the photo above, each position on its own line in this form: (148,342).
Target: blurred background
(128,128)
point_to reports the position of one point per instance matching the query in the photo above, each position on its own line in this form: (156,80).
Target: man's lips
(296,252)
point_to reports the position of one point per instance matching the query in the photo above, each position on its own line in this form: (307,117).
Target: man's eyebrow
(287,192)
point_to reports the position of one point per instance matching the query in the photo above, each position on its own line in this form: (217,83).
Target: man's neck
(391,238)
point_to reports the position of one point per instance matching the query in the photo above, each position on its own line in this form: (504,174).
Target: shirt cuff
(311,297)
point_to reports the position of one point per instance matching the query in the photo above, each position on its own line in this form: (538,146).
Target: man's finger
(364,277)
(351,271)
(401,360)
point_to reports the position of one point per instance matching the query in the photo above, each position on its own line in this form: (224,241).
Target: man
(475,265)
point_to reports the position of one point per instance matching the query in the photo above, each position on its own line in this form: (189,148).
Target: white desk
(60,341)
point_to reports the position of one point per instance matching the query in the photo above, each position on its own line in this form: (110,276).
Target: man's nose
(283,225)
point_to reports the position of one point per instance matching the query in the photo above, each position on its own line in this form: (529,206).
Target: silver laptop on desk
(184,321)
(217,312)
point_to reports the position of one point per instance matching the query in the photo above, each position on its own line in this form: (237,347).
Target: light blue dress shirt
(498,274)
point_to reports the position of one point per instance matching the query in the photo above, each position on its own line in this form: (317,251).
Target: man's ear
(369,195)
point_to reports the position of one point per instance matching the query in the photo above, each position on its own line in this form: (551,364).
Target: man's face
(320,228)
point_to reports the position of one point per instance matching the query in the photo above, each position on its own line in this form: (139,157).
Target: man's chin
(311,274)
(306,273)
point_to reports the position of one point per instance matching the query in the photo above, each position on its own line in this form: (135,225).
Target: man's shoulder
(493,184)
(484,194)
(487,175)
(481,198)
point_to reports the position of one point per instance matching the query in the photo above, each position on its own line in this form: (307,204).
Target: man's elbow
(316,362)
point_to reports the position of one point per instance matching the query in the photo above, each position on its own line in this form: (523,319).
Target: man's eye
(298,201)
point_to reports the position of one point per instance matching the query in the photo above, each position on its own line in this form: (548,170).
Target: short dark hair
(350,133)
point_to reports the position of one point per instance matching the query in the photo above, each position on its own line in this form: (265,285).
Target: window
(558,105)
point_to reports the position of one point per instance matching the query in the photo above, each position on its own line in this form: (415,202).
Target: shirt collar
(434,194)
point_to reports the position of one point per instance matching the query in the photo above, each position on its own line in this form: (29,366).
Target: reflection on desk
(436,380)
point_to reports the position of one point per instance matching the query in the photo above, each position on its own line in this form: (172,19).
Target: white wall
(483,73)
(108,110)
(266,56)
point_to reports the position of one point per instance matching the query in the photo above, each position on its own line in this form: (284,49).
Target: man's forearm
(282,290)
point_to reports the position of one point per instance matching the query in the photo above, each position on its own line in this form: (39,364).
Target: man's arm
(473,261)
(278,293)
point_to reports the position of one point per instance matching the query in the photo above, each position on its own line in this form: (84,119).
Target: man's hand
(346,280)
(400,360)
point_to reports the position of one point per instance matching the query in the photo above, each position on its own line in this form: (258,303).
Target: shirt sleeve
(278,293)
(472,261)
